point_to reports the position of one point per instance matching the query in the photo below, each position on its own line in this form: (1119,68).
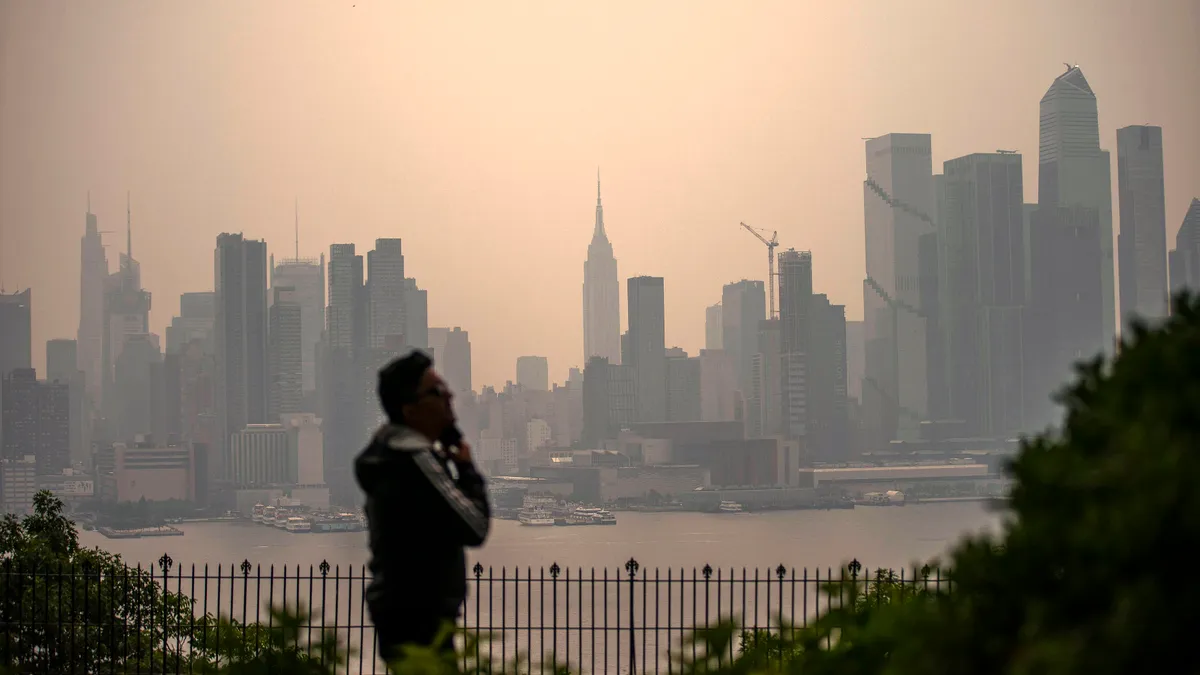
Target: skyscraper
(345,298)
(1074,172)
(795,335)
(307,277)
(385,269)
(647,346)
(719,400)
(93,270)
(982,239)
(683,388)
(854,360)
(601,295)
(825,380)
(196,321)
(343,389)
(36,418)
(898,195)
(764,401)
(16,337)
(455,361)
(533,373)
(62,359)
(241,338)
(126,315)
(416,315)
(284,352)
(136,394)
(714,327)
(743,307)
(1142,242)
(609,400)
(1066,305)
(1185,257)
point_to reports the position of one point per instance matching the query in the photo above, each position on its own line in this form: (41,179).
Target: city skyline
(753,169)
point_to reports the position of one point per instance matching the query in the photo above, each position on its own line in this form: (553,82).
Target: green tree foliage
(282,647)
(67,609)
(63,605)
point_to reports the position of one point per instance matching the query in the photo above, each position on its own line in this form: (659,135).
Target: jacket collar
(399,437)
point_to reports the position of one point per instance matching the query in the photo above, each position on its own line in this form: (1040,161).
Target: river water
(584,616)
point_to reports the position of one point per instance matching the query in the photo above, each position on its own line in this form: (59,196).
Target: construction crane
(771,244)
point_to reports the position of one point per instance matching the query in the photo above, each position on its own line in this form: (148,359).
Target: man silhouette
(425,502)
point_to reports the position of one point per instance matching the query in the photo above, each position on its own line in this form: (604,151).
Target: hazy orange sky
(473,130)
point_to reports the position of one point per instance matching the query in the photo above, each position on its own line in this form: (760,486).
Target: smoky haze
(473,132)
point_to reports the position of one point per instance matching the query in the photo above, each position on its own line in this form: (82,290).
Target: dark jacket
(422,509)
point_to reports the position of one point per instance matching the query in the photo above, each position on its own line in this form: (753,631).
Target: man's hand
(463,455)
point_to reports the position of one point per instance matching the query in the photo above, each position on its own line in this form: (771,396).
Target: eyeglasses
(439,391)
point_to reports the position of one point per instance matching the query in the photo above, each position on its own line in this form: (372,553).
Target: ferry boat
(605,518)
(257,514)
(730,507)
(587,515)
(889,498)
(297,524)
(337,522)
(268,515)
(336,525)
(535,518)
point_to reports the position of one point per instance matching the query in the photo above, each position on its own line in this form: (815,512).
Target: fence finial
(707,571)
(165,563)
(246,567)
(555,570)
(632,567)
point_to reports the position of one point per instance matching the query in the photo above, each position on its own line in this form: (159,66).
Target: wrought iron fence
(625,619)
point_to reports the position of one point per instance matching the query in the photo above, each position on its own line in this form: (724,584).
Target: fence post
(555,570)
(632,568)
(165,563)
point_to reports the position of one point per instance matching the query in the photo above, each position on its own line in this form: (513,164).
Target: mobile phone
(451,438)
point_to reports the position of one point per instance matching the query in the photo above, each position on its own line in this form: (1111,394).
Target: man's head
(413,394)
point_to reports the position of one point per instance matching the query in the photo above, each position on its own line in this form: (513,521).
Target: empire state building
(601,295)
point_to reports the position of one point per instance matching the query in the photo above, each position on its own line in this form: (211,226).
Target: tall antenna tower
(128,230)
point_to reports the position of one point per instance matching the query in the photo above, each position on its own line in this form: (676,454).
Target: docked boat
(257,514)
(535,518)
(605,518)
(586,515)
(889,498)
(337,525)
(730,507)
(267,517)
(298,524)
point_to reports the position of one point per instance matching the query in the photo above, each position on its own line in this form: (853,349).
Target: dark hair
(398,383)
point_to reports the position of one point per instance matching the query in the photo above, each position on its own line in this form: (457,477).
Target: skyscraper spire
(89,203)
(128,230)
(598,231)
(297,209)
